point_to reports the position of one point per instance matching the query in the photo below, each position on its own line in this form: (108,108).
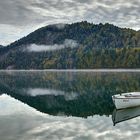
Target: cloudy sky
(20,17)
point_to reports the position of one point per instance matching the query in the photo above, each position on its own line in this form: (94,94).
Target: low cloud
(60,25)
(68,43)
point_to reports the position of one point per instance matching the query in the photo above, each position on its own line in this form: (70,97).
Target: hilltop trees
(98,46)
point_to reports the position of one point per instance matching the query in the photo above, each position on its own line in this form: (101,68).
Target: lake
(66,105)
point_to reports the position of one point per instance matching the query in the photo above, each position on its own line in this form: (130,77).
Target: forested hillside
(79,45)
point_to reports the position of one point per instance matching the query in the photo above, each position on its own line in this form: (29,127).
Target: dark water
(83,96)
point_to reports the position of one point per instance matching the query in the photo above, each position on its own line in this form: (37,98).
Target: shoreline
(73,70)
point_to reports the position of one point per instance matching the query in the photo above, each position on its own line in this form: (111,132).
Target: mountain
(74,46)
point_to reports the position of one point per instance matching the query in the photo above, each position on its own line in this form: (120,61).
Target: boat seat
(130,95)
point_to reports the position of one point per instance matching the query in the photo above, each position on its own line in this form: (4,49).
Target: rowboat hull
(126,101)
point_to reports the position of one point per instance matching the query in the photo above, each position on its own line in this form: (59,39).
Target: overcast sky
(20,17)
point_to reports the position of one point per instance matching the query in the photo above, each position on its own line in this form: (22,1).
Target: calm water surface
(44,105)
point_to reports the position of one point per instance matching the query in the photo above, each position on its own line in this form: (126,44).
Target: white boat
(126,100)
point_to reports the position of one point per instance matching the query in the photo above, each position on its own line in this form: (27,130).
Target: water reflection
(76,94)
(20,121)
(79,94)
(45,92)
(125,114)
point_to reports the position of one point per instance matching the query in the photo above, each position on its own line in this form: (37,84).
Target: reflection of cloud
(35,125)
(41,91)
(15,106)
(68,43)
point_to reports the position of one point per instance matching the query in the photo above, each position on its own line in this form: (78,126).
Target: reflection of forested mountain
(71,93)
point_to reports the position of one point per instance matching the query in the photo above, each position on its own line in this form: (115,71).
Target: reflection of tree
(94,90)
